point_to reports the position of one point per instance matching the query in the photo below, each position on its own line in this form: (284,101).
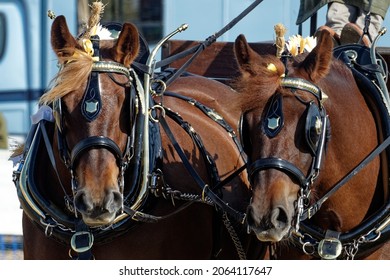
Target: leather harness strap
(204,186)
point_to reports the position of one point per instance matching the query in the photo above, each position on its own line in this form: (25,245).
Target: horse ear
(245,55)
(127,46)
(317,63)
(62,40)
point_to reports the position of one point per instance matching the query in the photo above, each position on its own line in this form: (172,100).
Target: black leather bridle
(70,157)
(305,181)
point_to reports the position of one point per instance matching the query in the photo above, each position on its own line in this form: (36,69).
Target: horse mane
(257,88)
(17,150)
(77,65)
(74,61)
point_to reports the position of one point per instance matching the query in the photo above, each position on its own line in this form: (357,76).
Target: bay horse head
(286,131)
(93,102)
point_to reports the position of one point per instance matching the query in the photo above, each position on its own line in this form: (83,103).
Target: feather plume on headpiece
(93,27)
(280,31)
(97,9)
(297,45)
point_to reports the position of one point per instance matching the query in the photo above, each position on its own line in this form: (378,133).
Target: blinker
(91,103)
(313,126)
(274,119)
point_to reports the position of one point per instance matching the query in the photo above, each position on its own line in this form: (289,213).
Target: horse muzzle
(98,212)
(273,227)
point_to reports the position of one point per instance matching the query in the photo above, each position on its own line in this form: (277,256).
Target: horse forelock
(75,71)
(256,89)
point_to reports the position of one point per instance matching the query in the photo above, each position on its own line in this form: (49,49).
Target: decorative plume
(97,9)
(297,45)
(93,27)
(280,31)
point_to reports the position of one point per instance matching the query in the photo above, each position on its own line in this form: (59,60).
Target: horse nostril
(279,218)
(113,201)
(83,204)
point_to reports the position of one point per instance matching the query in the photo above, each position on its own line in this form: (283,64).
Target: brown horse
(289,109)
(82,183)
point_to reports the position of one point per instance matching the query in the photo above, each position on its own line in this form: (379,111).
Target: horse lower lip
(99,221)
(263,236)
(268,235)
(96,224)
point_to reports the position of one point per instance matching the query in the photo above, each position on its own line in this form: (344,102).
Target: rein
(213,172)
(211,40)
(309,212)
(206,191)
(367,236)
(196,50)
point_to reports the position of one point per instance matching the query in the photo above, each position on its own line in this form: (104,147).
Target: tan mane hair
(256,88)
(78,65)
(17,150)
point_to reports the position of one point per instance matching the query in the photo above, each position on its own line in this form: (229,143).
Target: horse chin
(105,219)
(271,235)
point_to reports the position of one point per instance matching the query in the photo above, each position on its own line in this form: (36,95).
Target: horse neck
(351,122)
(216,141)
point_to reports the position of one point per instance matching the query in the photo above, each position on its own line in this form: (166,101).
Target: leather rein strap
(204,186)
(308,213)
(197,50)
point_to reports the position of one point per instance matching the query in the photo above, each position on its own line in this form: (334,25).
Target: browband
(302,84)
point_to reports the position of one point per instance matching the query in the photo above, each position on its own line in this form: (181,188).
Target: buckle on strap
(81,241)
(330,247)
